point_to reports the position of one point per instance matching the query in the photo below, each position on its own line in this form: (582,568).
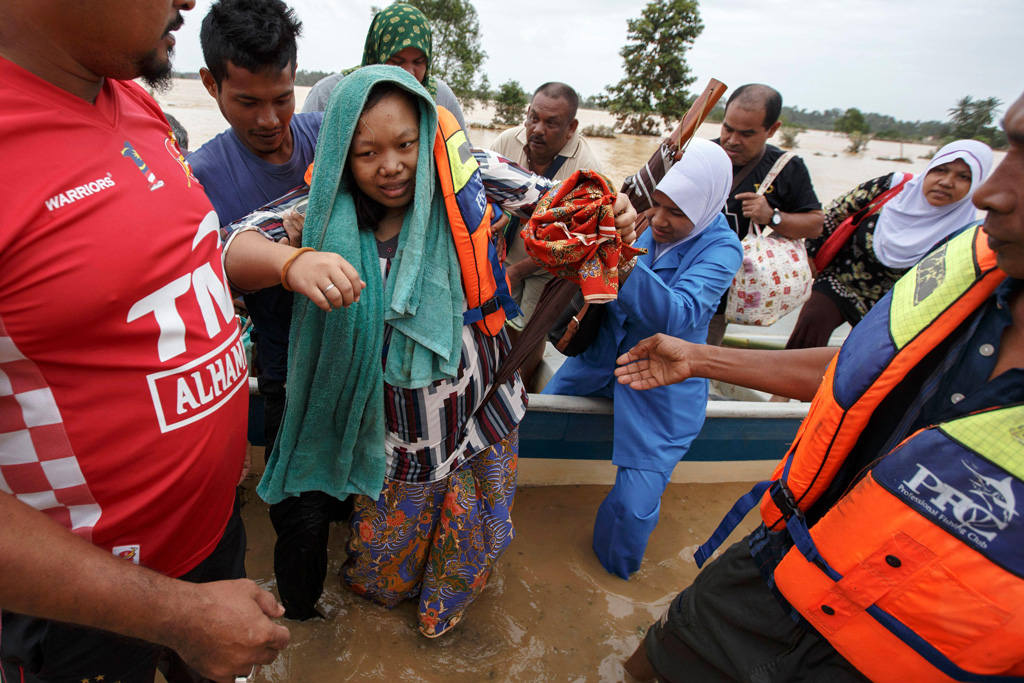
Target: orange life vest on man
(917,573)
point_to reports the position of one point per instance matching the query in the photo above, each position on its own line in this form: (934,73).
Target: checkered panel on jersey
(37,464)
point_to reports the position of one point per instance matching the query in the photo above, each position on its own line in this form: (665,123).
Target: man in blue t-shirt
(250,51)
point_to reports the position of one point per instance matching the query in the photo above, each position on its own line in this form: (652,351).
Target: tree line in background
(968,119)
(655,89)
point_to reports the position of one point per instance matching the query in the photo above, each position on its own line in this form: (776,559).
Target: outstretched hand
(655,362)
(229,630)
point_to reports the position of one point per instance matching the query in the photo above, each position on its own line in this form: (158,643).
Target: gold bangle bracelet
(288,264)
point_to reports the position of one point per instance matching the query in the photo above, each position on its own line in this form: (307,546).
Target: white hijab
(909,226)
(699,184)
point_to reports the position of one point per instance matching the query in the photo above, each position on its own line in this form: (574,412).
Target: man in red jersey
(122,379)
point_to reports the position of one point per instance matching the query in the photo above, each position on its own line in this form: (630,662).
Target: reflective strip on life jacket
(998,436)
(488,298)
(938,282)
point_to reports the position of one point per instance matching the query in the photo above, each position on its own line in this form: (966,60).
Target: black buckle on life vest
(490,306)
(784,500)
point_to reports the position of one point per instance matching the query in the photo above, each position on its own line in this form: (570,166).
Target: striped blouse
(431,432)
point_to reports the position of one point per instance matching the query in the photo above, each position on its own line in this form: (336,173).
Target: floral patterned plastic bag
(774,280)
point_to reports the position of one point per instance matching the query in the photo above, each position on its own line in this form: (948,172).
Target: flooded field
(549,613)
(833,170)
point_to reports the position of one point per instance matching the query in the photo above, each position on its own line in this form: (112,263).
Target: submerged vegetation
(787,137)
(858,142)
(598,131)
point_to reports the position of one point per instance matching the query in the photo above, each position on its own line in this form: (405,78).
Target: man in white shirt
(549,145)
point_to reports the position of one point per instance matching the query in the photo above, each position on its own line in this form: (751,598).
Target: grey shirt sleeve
(318,97)
(446,99)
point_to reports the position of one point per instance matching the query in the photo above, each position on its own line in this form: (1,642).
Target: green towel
(332,434)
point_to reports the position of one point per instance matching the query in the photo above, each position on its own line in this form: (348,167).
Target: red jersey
(123,382)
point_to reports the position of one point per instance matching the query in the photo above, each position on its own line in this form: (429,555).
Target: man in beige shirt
(547,144)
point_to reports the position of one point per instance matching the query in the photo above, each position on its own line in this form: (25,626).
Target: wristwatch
(776,217)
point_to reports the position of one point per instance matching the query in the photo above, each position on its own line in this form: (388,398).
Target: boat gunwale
(585,405)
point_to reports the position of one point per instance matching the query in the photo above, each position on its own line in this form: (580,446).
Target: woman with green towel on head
(399,35)
(443,515)
(383,394)
(388,367)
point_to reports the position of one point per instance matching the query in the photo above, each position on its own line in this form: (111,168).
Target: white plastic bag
(774,280)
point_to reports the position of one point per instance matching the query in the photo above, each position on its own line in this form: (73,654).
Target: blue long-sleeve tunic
(677,296)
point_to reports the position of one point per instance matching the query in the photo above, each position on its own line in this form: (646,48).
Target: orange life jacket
(917,573)
(484,281)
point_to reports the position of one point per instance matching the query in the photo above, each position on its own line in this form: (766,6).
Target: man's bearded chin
(156,71)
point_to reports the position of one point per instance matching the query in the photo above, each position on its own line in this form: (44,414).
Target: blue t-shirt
(238,182)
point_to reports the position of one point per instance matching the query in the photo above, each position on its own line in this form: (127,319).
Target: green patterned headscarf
(395,28)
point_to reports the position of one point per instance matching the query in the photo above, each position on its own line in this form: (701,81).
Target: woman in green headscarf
(399,35)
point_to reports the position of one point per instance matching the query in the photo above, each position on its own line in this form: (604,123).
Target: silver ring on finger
(328,288)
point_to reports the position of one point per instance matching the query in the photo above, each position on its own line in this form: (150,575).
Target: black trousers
(728,626)
(302,524)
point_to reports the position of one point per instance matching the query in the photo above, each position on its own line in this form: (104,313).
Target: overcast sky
(909,58)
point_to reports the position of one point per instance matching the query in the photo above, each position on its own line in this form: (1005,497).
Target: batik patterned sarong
(436,541)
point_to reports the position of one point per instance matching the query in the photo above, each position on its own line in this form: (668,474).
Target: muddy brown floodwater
(550,612)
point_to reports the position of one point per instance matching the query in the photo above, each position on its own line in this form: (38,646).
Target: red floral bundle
(572,234)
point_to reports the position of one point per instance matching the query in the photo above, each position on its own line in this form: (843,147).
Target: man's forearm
(525,267)
(801,225)
(221,629)
(793,373)
(46,571)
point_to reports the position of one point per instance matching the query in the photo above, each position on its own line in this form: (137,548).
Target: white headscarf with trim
(699,184)
(908,226)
